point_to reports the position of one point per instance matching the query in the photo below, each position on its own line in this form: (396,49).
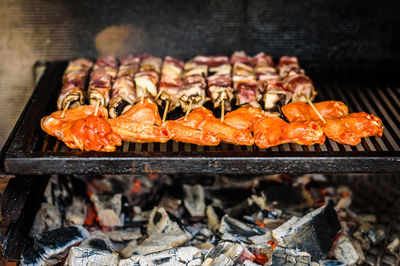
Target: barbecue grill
(350,52)
(32,151)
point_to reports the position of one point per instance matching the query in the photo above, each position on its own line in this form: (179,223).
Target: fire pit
(214,220)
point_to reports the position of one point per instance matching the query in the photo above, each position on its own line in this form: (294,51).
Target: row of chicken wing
(81,128)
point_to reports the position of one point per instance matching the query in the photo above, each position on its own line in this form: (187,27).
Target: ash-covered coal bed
(202,220)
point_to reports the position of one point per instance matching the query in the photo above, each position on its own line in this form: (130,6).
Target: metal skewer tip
(165,111)
(65,109)
(313,107)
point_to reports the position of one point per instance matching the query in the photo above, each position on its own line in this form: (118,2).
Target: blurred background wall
(40,30)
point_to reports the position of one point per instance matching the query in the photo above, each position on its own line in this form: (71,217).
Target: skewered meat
(288,64)
(71,95)
(123,96)
(79,128)
(219,81)
(99,87)
(244,118)
(74,77)
(351,128)
(193,93)
(129,65)
(301,112)
(141,123)
(151,63)
(146,84)
(170,84)
(247,89)
(106,65)
(104,72)
(300,85)
(272,131)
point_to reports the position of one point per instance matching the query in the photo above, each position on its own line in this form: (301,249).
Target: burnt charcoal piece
(108,209)
(124,235)
(194,200)
(98,241)
(174,256)
(235,227)
(52,246)
(287,257)
(86,256)
(76,213)
(311,233)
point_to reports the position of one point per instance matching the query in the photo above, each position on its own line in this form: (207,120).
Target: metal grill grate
(33,151)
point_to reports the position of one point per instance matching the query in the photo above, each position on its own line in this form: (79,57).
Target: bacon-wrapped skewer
(295,81)
(72,92)
(147,79)
(274,94)
(104,72)
(219,83)
(170,84)
(123,93)
(193,93)
(245,85)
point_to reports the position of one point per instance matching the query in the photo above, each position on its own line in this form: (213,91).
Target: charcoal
(108,209)
(171,204)
(124,235)
(227,253)
(47,218)
(286,257)
(311,233)
(394,246)
(163,234)
(212,218)
(332,263)
(76,213)
(52,246)
(194,200)
(98,241)
(345,251)
(235,227)
(362,235)
(87,256)
(174,256)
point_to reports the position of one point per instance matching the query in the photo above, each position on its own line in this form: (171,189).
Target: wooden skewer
(189,109)
(144,93)
(222,110)
(97,108)
(313,107)
(65,109)
(165,111)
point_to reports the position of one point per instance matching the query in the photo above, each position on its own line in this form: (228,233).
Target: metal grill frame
(30,150)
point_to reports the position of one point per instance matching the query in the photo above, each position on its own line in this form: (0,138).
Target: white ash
(124,235)
(288,257)
(227,253)
(98,241)
(394,246)
(76,213)
(175,256)
(108,209)
(194,200)
(47,218)
(86,256)
(212,218)
(345,251)
(171,204)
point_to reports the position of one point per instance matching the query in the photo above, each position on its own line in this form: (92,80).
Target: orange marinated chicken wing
(272,131)
(301,112)
(79,128)
(351,128)
(141,123)
(243,118)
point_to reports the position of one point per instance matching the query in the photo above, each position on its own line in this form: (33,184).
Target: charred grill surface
(362,87)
